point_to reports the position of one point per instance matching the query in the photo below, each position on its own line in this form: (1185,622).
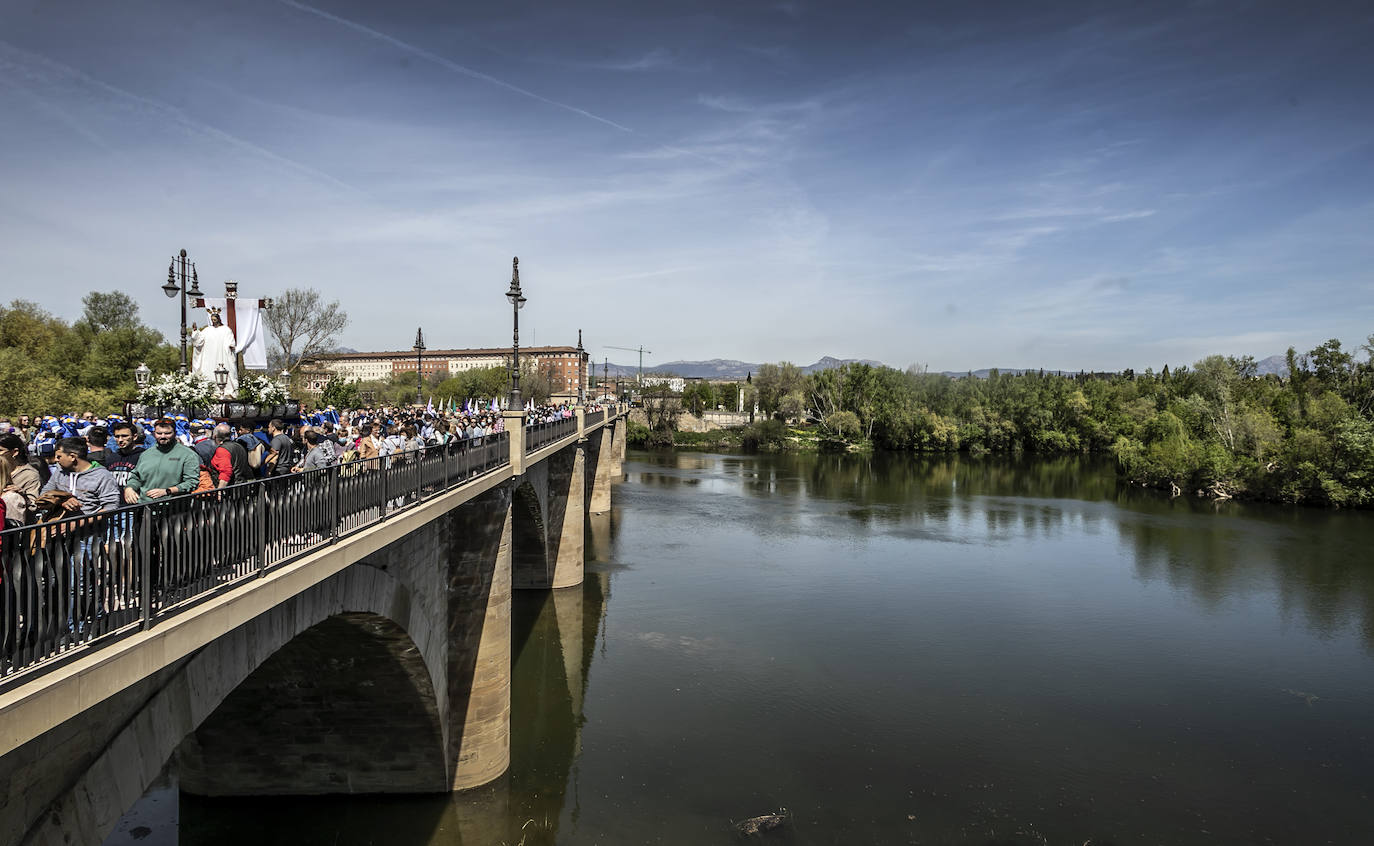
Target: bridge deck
(105,600)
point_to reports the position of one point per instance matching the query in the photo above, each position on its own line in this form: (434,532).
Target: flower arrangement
(171,390)
(261,390)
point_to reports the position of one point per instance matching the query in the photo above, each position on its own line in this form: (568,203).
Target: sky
(959,185)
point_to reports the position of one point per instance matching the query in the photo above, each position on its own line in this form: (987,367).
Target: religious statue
(214,347)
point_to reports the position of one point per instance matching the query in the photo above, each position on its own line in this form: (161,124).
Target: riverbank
(1259,484)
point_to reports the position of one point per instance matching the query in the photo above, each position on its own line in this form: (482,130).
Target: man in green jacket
(168,469)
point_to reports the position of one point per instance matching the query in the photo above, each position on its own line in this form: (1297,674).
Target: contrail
(445,63)
(13,61)
(52,109)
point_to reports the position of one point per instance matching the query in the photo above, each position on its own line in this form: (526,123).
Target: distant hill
(724,368)
(728,368)
(830,363)
(1276,365)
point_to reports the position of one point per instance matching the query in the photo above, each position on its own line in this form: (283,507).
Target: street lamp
(177,283)
(419,353)
(581,377)
(142,375)
(517,301)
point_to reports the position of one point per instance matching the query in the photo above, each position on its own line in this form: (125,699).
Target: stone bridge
(370,654)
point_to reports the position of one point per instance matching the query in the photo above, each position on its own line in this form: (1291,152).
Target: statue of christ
(214,346)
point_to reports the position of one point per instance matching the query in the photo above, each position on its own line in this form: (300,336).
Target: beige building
(560,364)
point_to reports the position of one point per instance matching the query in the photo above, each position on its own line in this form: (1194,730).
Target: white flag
(251,334)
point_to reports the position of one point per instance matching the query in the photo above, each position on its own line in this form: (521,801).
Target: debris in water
(762,823)
(1309,697)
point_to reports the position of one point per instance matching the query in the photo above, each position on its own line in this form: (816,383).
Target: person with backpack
(320,454)
(253,446)
(230,459)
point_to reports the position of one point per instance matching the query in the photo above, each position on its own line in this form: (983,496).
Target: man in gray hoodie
(93,486)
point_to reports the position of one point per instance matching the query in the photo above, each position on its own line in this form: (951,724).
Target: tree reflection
(1314,562)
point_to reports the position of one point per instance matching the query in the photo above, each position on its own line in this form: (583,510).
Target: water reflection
(1313,559)
(935,650)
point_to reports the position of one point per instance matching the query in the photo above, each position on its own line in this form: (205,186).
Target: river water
(907,650)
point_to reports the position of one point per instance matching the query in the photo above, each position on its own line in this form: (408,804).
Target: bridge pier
(479,636)
(619,431)
(599,471)
(549,512)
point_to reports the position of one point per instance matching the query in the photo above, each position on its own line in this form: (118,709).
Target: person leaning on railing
(168,469)
(93,488)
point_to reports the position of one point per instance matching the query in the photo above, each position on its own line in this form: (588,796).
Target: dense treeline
(1218,427)
(48,366)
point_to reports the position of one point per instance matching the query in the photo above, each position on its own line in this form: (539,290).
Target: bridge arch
(360,597)
(347,706)
(530,566)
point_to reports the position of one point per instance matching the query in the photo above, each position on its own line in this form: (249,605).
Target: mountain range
(719,368)
(728,368)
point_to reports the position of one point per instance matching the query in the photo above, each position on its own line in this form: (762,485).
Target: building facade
(559,364)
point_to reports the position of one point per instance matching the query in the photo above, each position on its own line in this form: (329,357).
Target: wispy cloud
(52,109)
(449,64)
(55,76)
(657,59)
(1130,215)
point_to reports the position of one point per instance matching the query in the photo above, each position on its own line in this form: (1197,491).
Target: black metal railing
(66,583)
(542,434)
(593,418)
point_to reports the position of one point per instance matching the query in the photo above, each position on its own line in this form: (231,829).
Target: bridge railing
(542,434)
(66,583)
(593,418)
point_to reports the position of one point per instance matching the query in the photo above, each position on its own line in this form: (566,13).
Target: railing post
(145,566)
(418,459)
(581,413)
(386,487)
(444,461)
(338,503)
(262,527)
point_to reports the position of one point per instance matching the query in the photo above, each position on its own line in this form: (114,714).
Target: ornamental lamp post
(179,281)
(419,353)
(517,301)
(581,377)
(142,375)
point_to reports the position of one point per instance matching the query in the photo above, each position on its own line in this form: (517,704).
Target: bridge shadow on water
(554,636)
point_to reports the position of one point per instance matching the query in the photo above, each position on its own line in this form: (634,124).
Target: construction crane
(639,379)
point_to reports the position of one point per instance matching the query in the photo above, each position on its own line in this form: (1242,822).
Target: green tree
(340,393)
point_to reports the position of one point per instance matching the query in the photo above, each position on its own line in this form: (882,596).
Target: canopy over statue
(214,347)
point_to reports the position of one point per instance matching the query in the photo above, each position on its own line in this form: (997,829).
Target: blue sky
(1065,185)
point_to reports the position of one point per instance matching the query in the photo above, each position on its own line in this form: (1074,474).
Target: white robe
(214,346)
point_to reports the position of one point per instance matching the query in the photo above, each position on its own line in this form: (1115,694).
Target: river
(907,650)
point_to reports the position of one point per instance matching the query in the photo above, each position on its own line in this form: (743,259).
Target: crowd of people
(52,467)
